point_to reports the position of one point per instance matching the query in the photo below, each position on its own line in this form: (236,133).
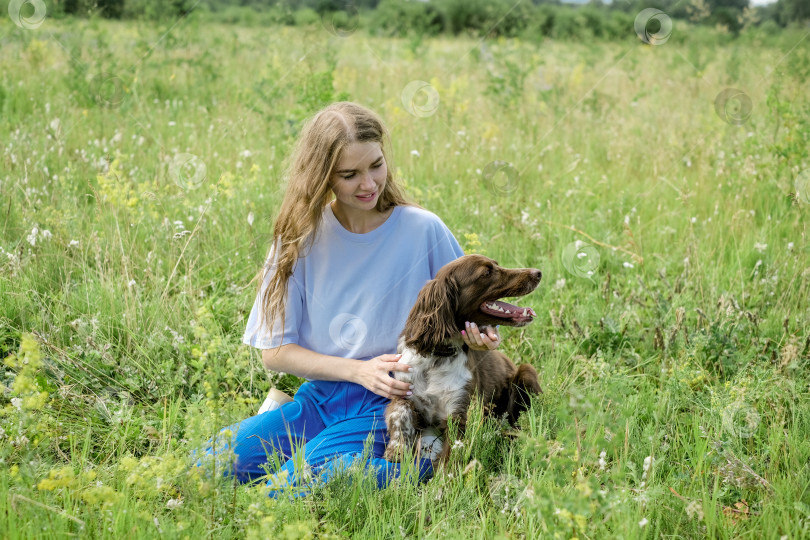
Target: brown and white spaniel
(445,371)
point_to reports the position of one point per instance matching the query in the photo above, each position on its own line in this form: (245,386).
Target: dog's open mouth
(505,310)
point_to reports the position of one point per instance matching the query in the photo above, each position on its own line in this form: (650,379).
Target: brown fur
(432,331)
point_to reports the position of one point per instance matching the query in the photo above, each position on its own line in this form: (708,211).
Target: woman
(349,257)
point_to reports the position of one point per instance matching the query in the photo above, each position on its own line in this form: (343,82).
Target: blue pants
(332,421)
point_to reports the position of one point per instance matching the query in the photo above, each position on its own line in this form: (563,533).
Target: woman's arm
(372,374)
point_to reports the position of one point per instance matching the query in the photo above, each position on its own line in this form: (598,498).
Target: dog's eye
(487,272)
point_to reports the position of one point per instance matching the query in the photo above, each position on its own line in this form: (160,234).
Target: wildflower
(32,237)
(172,123)
(602,461)
(131,283)
(790,246)
(245,153)
(17,402)
(458,444)
(643,522)
(694,219)
(415,153)
(694,509)
(760,247)
(73,244)
(627,264)
(171,504)
(250,218)
(559,284)
(648,463)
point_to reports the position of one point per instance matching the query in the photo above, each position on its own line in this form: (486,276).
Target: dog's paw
(393,453)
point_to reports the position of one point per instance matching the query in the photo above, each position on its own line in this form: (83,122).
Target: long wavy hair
(309,174)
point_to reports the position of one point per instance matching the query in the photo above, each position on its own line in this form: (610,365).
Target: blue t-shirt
(350,294)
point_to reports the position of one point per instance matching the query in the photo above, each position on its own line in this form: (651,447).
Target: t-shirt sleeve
(256,333)
(446,248)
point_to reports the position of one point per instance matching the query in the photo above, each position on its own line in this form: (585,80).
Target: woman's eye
(377,165)
(349,177)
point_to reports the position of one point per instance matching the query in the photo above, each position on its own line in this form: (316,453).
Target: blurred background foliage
(530,19)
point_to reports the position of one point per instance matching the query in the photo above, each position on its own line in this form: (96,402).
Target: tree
(788,11)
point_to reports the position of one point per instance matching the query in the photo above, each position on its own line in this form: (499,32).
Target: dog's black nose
(536,274)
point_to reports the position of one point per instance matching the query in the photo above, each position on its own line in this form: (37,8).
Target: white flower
(627,264)
(790,246)
(250,218)
(245,153)
(760,247)
(131,283)
(171,504)
(559,284)
(415,153)
(172,123)
(17,402)
(73,243)
(22,440)
(643,522)
(32,238)
(627,220)
(694,219)
(46,234)
(458,444)
(648,463)
(602,461)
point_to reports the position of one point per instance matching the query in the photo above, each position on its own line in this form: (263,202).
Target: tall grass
(673,338)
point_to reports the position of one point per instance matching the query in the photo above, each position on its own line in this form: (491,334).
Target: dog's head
(468,289)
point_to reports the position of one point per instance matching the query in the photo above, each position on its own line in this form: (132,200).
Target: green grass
(687,345)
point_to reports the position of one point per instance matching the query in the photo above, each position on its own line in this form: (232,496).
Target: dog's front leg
(402,421)
(459,421)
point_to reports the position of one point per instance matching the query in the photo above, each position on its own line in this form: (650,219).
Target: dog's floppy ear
(431,323)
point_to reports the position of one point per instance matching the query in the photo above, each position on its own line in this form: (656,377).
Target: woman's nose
(368,180)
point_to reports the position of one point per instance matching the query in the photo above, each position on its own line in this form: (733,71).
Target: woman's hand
(478,341)
(374,375)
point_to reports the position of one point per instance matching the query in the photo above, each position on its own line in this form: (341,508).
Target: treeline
(549,18)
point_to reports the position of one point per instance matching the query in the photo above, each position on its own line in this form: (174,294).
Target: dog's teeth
(524,312)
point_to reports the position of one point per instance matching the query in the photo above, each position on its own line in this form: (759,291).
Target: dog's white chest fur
(439,383)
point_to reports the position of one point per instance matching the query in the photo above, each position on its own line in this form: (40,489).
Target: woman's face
(359,177)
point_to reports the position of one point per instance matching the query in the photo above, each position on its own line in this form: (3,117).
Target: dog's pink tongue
(506,310)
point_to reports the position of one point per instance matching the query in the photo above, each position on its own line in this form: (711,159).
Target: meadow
(663,190)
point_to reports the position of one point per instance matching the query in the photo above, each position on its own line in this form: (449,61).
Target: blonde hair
(311,167)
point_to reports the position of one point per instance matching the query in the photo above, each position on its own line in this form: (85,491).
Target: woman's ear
(431,323)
